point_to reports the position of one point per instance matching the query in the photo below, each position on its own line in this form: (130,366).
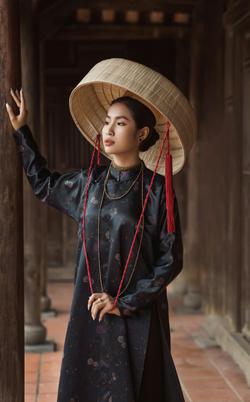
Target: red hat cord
(170,226)
(169,189)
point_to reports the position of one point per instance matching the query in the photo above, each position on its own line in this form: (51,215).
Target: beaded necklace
(124,167)
(127,191)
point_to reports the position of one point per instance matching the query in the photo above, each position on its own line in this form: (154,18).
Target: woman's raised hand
(21,119)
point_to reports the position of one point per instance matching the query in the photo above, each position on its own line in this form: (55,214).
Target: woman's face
(120,129)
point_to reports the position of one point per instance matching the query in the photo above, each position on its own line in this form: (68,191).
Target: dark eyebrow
(118,117)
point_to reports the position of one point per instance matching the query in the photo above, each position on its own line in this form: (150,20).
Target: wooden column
(11,239)
(46,305)
(182,55)
(35,331)
(213,166)
(192,247)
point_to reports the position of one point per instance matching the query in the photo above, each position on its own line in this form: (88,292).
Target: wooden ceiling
(102,19)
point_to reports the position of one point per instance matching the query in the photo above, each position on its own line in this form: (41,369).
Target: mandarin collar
(122,175)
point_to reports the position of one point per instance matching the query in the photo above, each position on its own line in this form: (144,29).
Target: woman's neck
(125,162)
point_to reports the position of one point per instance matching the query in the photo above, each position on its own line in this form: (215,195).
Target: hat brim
(90,100)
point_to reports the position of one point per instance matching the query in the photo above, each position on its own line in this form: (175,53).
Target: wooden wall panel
(213,163)
(237,97)
(245,211)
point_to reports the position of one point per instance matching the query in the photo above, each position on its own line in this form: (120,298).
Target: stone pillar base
(34,334)
(49,313)
(47,346)
(45,303)
(193,300)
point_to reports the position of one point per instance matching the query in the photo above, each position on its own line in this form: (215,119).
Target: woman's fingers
(96,306)
(22,109)
(21,119)
(103,302)
(91,299)
(11,114)
(15,97)
(103,311)
(94,296)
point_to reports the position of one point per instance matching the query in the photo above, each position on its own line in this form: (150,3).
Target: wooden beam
(128,32)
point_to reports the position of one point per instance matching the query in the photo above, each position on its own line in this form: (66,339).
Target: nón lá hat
(175,117)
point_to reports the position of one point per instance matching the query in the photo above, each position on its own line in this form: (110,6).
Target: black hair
(143,117)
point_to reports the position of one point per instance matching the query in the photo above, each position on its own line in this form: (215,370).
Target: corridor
(207,373)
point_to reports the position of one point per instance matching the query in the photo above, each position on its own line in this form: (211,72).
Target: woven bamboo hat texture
(115,77)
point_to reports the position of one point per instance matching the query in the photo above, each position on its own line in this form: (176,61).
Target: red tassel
(169,189)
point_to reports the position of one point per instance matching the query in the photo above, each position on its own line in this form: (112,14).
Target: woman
(117,345)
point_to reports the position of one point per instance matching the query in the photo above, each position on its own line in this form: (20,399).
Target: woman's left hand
(103,302)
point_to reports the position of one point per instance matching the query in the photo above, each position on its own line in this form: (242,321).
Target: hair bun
(150,140)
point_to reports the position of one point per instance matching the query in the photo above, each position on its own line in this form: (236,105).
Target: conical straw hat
(115,77)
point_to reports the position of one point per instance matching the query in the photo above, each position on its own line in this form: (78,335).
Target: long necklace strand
(99,263)
(142,213)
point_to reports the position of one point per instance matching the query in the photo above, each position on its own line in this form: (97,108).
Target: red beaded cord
(169,204)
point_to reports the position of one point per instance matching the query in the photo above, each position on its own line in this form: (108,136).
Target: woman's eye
(121,123)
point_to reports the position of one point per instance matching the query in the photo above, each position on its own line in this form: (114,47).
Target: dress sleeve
(61,191)
(168,264)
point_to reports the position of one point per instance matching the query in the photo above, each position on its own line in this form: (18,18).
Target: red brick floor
(206,374)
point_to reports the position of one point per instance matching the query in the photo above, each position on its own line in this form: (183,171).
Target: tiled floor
(206,374)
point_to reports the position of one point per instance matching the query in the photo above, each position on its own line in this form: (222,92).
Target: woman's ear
(143,133)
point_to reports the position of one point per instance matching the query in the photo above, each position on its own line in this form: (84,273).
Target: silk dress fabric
(123,358)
